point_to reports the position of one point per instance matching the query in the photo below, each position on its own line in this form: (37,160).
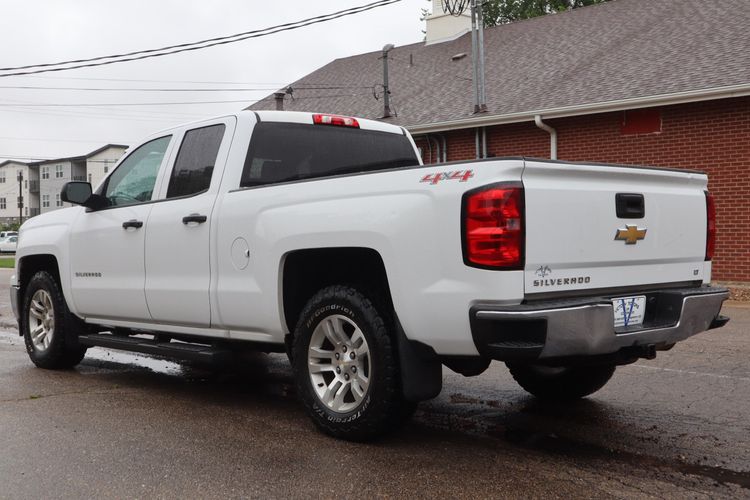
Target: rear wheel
(47,325)
(563,383)
(346,366)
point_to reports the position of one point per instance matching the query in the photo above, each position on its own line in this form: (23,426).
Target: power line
(21,157)
(325,96)
(61,158)
(270,84)
(321,86)
(89,104)
(89,141)
(131,89)
(126,89)
(184,47)
(107,117)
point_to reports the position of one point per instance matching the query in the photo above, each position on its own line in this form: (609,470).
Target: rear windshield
(281,152)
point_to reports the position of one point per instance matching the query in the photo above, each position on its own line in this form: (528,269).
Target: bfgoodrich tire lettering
(374,403)
(48,326)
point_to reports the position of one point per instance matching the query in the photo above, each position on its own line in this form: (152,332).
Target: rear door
(591,227)
(178,239)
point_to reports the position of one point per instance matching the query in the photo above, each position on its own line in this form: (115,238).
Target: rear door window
(195,161)
(282,152)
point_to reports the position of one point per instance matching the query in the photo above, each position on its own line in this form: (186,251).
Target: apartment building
(53,174)
(42,181)
(10,191)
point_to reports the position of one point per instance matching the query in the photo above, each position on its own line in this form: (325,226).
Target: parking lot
(123,425)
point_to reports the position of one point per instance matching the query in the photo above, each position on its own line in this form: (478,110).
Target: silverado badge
(630,235)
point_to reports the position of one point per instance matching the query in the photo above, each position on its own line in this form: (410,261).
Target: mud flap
(421,370)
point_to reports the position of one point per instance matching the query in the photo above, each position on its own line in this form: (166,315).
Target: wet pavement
(124,425)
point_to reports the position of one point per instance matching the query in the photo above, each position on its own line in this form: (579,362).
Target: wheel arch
(305,271)
(29,265)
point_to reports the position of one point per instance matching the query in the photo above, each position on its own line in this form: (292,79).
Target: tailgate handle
(630,206)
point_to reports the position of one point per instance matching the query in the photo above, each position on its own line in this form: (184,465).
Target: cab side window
(195,161)
(133,180)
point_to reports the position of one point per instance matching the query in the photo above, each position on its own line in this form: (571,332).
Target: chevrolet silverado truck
(325,237)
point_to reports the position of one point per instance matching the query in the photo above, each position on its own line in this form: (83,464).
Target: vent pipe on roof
(552,136)
(386,88)
(279,96)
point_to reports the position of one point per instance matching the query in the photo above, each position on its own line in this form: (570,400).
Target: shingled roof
(616,55)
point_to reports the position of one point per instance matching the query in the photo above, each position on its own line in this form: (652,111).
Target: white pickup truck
(324,236)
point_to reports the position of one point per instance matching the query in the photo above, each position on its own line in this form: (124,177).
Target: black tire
(563,383)
(63,350)
(382,407)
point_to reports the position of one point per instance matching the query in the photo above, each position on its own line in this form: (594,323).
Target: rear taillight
(710,226)
(340,121)
(493,232)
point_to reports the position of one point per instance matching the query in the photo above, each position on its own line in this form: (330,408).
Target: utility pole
(20,197)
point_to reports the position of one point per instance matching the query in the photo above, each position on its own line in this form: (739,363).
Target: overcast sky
(43,31)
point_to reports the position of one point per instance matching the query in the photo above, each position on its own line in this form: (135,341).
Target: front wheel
(346,367)
(561,383)
(46,325)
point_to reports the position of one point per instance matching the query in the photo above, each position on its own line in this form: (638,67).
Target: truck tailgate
(575,239)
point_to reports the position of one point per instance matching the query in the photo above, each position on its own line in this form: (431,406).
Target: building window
(641,121)
(89,178)
(58,171)
(58,201)
(106,168)
(2,176)
(45,172)
(45,200)
(2,204)
(27,210)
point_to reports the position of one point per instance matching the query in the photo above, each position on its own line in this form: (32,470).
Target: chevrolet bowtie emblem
(630,235)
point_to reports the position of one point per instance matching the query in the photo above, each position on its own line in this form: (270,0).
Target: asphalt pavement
(129,426)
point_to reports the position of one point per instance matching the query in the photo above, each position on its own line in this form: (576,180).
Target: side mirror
(79,193)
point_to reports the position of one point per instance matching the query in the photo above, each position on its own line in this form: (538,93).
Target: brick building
(653,82)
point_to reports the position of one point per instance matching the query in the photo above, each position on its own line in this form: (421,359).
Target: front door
(107,245)
(178,272)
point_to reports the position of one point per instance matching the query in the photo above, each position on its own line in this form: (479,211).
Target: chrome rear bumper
(585,327)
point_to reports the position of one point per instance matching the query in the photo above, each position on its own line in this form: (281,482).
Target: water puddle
(156,365)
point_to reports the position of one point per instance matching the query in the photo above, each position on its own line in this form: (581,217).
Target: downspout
(552,136)
(437,149)
(484,142)
(445,148)
(476,143)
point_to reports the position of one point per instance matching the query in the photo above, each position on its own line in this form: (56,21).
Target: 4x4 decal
(459,175)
